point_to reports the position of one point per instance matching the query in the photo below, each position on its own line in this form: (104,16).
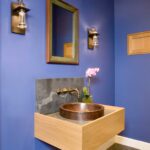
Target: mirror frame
(49,47)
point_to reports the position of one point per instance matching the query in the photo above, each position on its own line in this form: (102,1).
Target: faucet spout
(68,90)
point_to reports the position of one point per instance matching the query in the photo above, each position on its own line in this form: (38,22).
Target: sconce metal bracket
(15,8)
(90,41)
(91,34)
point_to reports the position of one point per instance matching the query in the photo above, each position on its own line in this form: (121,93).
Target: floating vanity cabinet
(79,135)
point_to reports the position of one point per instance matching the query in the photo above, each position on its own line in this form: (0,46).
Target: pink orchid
(91,72)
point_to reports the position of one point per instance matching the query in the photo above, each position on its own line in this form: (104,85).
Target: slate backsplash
(47,99)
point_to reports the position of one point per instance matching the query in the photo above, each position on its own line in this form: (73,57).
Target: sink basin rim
(81,114)
(62,106)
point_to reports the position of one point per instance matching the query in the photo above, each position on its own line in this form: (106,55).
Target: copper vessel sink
(81,111)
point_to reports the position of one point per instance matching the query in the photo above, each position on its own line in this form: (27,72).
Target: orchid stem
(89,82)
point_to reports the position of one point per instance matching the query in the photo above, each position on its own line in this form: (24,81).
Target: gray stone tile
(47,99)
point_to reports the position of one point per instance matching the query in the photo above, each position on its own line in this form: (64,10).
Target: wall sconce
(18,17)
(92,38)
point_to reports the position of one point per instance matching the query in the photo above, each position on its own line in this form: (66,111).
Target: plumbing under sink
(81,111)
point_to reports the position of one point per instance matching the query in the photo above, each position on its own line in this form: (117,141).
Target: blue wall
(132,72)
(23,61)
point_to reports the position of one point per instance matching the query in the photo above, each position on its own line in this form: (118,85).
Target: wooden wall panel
(139,43)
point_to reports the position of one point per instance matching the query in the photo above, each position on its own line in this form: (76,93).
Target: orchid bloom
(91,72)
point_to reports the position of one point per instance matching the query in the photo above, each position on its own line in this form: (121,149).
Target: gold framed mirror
(61,32)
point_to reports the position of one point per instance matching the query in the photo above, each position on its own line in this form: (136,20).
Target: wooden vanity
(79,135)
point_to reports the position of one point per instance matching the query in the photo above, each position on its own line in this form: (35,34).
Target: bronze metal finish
(91,34)
(15,8)
(81,111)
(68,90)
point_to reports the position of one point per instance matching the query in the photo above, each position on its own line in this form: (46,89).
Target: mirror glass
(62,33)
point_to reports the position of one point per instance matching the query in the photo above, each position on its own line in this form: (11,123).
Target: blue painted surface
(132,72)
(23,61)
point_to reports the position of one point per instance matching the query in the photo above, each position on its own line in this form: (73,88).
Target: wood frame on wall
(138,43)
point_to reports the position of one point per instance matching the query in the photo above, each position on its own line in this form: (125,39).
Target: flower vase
(86,96)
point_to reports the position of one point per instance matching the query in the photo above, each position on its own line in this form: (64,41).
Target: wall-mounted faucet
(68,90)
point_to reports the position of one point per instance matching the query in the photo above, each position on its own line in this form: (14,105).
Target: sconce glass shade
(93,38)
(95,41)
(22,20)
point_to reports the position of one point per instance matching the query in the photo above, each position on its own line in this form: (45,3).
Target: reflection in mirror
(61,32)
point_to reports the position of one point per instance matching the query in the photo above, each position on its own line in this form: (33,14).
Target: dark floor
(120,147)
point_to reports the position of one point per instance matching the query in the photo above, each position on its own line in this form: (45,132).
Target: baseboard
(132,143)
(140,145)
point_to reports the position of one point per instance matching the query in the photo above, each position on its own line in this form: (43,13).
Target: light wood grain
(68,135)
(62,134)
(100,131)
(139,43)
(68,51)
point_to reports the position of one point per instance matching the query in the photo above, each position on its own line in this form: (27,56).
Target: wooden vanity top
(69,134)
